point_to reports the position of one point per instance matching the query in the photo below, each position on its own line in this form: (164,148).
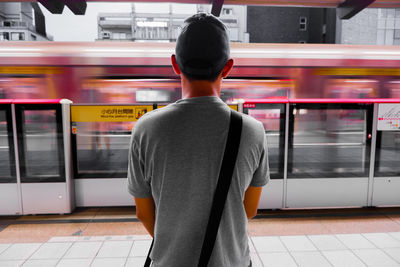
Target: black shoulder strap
(221,192)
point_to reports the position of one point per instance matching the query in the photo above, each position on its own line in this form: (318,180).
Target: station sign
(106,113)
(389,117)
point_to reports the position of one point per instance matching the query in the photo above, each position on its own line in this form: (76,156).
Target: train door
(386,181)
(10,199)
(329,153)
(100,143)
(272,114)
(43,156)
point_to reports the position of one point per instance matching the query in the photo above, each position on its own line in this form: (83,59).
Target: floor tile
(51,251)
(268,244)
(140,248)
(326,242)
(3,247)
(383,240)
(251,246)
(277,259)
(310,258)
(59,239)
(19,251)
(343,258)
(40,263)
(74,263)
(108,262)
(375,258)
(298,243)
(355,241)
(136,261)
(255,260)
(394,253)
(395,235)
(17,263)
(115,249)
(81,250)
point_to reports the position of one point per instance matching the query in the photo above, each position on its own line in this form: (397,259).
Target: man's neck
(200,88)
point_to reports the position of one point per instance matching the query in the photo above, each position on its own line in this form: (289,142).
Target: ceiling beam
(349,8)
(217,7)
(54,6)
(78,7)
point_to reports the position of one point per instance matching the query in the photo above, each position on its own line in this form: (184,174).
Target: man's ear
(227,69)
(175,65)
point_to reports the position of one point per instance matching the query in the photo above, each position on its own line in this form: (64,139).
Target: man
(176,153)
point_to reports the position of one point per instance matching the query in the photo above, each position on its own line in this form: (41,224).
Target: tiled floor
(377,249)
(114,237)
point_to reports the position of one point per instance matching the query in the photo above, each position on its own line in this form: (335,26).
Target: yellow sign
(357,72)
(108,113)
(30,70)
(234,107)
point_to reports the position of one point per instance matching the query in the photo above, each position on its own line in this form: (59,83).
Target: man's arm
(251,199)
(145,212)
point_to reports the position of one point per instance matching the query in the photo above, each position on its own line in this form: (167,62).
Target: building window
(17,36)
(4,36)
(7,23)
(106,35)
(303,24)
(227,11)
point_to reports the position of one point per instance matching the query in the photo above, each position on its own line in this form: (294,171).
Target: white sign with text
(389,117)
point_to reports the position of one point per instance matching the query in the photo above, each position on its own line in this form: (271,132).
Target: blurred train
(105,72)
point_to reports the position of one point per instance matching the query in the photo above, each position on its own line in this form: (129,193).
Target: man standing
(176,154)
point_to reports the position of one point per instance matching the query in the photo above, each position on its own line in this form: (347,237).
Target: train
(110,72)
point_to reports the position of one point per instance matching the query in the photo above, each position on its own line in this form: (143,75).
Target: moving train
(110,72)
(319,105)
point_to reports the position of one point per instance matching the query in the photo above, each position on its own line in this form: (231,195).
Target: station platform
(114,237)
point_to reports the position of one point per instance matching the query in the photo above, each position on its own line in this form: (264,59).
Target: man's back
(180,149)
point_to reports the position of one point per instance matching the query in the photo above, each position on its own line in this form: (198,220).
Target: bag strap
(221,192)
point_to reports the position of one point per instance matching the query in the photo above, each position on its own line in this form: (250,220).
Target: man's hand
(145,212)
(251,199)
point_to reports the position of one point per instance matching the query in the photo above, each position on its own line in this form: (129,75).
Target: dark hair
(202,48)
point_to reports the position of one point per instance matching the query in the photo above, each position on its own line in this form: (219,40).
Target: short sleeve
(138,186)
(261,175)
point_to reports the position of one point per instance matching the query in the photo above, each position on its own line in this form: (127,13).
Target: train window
(329,140)
(233,89)
(102,149)
(387,155)
(351,88)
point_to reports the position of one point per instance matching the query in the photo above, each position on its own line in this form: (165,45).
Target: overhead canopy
(346,8)
(299,3)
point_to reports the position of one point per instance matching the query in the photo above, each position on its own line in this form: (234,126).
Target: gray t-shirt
(175,157)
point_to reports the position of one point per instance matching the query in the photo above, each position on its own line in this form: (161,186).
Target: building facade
(291,25)
(372,26)
(164,27)
(17,23)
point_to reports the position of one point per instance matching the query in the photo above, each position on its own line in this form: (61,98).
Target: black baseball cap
(202,48)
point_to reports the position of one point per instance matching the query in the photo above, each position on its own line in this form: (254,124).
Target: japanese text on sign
(108,113)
